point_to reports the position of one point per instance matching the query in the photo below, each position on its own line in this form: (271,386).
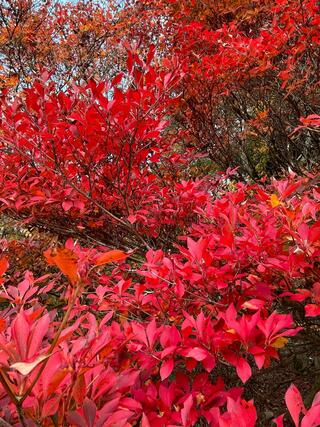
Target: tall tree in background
(75,41)
(251,72)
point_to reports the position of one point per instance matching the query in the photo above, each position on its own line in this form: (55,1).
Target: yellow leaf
(274,200)
(279,342)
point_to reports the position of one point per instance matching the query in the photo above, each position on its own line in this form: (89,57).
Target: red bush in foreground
(174,340)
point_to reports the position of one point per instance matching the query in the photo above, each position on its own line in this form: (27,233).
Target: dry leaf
(25,368)
(279,342)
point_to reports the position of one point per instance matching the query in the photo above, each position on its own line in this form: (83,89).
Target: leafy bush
(175,339)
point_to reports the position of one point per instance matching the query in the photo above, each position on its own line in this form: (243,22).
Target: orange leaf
(65,260)
(110,256)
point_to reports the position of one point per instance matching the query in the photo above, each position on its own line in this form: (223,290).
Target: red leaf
(314,233)
(311,120)
(67,205)
(209,363)
(151,331)
(20,332)
(74,418)
(89,410)
(3,265)
(50,407)
(198,353)
(312,417)
(196,249)
(166,369)
(145,421)
(294,403)
(185,411)
(56,378)
(243,370)
(38,334)
(279,421)
(79,389)
(109,408)
(316,399)
(130,61)
(312,310)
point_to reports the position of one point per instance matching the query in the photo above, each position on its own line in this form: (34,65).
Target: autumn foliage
(163,158)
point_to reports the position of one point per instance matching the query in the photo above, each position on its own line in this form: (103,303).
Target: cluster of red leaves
(290,29)
(90,153)
(140,344)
